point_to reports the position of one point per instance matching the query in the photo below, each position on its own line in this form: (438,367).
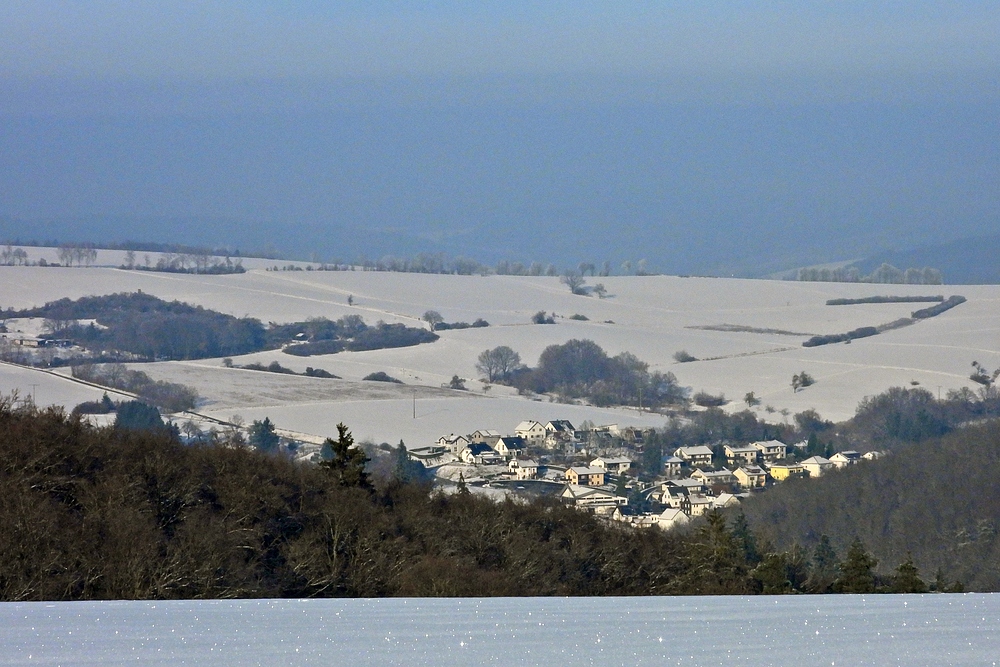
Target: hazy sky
(701,136)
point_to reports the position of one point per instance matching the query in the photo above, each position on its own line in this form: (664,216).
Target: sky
(736,137)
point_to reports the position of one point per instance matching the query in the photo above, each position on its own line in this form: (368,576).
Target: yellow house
(782,471)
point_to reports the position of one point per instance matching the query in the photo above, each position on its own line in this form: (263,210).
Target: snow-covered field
(652,317)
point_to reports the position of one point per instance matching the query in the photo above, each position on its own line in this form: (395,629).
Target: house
(453,443)
(845,458)
(711,478)
(782,471)
(674,493)
(695,456)
(816,465)
(533,432)
(584,476)
(598,501)
(633,435)
(559,432)
(487,436)
(872,456)
(741,454)
(771,450)
(621,513)
(750,477)
(509,446)
(523,468)
(616,465)
(672,466)
(479,454)
(671,518)
(696,505)
(724,500)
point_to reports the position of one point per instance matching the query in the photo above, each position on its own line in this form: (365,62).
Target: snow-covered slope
(652,317)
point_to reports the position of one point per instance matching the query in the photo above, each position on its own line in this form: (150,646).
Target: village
(598,469)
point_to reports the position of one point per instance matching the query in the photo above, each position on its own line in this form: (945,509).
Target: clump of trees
(324,336)
(581,369)
(802,380)
(170,396)
(137,326)
(11,256)
(381,376)
(145,327)
(437,323)
(541,317)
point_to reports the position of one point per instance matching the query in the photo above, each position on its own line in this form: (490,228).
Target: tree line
(886,274)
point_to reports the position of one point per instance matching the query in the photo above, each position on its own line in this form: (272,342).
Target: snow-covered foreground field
(652,317)
(912,630)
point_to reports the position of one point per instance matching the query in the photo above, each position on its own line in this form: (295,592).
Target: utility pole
(33,388)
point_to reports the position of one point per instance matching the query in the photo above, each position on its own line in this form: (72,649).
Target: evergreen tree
(138,416)
(745,538)
(907,578)
(824,567)
(348,462)
(263,436)
(772,574)
(621,488)
(462,488)
(857,572)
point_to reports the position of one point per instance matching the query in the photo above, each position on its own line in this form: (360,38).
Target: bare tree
(433,318)
(574,281)
(498,363)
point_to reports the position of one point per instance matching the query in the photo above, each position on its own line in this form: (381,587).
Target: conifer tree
(857,572)
(347,462)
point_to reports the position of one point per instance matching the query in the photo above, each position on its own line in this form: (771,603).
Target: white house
(558,432)
(453,443)
(845,458)
(480,454)
(670,518)
(816,465)
(695,456)
(509,446)
(672,466)
(771,450)
(616,465)
(523,468)
(599,501)
(740,454)
(533,432)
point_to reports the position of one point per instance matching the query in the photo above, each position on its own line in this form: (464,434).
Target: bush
(381,376)
(706,400)
(682,357)
(541,317)
(579,318)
